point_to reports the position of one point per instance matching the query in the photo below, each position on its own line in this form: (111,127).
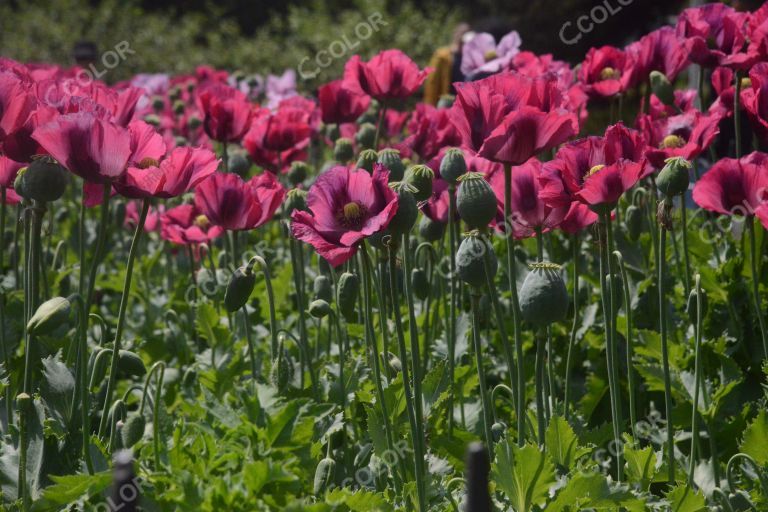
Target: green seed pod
(475,201)
(691,305)
(332,131)
(420,177)
(446,101)
(407,210)
(298,172)
(18,186)
(323,288)
(366,136)
(282,369)
(453,166)
(343,150)
(394,362)
(174,93)
(194,122)
(50,315)
(673,180)
(319,308)
(181,141)
(44,180)
(390,158)
(430,230)
(295,199)
(239,288)
(133,429)
(367,160)
(348,291)
(498,430)
(158,103)
(179,107)
(420,283)
(633,220)
(152,119)
(469,260)
(543,296)
(323,475)
(238,163)
(129,363)
(662,88)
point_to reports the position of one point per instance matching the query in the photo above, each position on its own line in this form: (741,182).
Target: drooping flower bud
(420,283)
(544,296)
(239,288)
(691,305)
(133,429)
(390,158)
(323,288)
(282,369)
(633,220)
(453,165)
(130,364)
(662,88)
(349,289)
(319,308)
(50,315)
(476,201)
(323,476)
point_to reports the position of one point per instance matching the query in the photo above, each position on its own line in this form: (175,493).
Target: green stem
(696,381)
(33,285)
(5,349)
(271,298)
(575,325)
(750,221)
(540,419)
(737,113)
(475,302)
(630,342)
(23,490)
(100,241)
(121,314)
(410,397)
(452,305)
(512,276)
(665,355)
(686,255)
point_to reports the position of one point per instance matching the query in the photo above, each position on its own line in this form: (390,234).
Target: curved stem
(630,342)
(271,298)
(475,302)
(121,314)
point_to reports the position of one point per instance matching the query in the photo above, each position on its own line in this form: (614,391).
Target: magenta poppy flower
(8,170)
(228,201)
(481,55)
(715,35)
(529,212)
(604,185)
(604,71)
(11,197)
(390,74)
(578,218)
(226,112)
(734,187)
(755,99)
(430,130)
(185,225)
(94,149)
(174,175)
(16,104)
(437,207)
(151,223)
(285,129)
(340,105)
(762,214)
(346,206)
(685,135)
(661,50)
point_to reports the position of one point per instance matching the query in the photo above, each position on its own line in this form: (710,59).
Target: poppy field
(547,291)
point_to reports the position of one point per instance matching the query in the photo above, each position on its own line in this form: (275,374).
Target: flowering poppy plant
(605,184)
(481,55)
(604,72)
(715,35)
(226,112)
(389,75)
(685,135)
(346,206)
(340,105)
(185,224)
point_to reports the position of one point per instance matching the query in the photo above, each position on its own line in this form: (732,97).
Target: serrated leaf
(755,442)
(523,474)
(641,465)
(592,491)
(562,443)
(358,501)
(683,499)
(70,488)
(9,461)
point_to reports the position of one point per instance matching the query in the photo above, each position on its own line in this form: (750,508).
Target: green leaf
(755,442)
(70,488)
(9,461)
(562,443)
(358,501)
(592,491)
(683,499)
(641,465)
(523,474)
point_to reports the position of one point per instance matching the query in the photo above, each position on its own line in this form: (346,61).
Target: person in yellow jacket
(446,62)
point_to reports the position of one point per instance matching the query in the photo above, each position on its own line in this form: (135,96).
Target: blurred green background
(272,35)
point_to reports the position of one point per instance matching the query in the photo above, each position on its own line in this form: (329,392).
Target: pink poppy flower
(391,74)
(185,225)
(685,135)
(346,206)
(227,201)
(734,187)
(604,71)
(341,105)
(226,112)
(481,55)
